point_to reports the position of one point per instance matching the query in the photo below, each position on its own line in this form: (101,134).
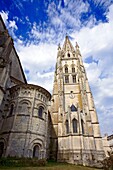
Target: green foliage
(14,163)
(22,162)
(108,163)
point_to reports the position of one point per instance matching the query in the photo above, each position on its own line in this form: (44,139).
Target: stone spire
(67,45)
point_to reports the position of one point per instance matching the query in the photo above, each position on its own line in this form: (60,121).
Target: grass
(51,166)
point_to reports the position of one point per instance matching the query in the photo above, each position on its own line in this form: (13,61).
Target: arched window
(73,108)
(40,111)
(73,69)
(67,127)
(74,123)
(82,125)
(36,152)
(66,69)
(41,97)
(11,110)
(1,148)
(38,95)
(66,79)
(74,78)
(68,55)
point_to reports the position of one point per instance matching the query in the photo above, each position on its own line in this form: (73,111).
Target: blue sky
(38,26)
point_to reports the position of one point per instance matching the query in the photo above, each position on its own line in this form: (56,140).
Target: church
(33,123)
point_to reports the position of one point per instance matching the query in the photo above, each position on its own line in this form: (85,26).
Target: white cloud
(67,16)
(4,16)
(60,21)
(103,2)
(40,61)
(11,25)
(45,80)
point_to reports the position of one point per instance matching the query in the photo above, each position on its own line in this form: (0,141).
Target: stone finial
(59,48)
(77,46)
(77,49)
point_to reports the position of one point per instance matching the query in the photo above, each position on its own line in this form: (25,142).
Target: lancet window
(68,54)
(82,125)
(66,79)
(73,69)
(74,78)
(66,69)
(67,127)
(74,123)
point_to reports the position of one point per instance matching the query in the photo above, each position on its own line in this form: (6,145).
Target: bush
(108,163)
(20,162)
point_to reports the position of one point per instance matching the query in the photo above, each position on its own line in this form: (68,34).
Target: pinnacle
(77,46)
(59,48)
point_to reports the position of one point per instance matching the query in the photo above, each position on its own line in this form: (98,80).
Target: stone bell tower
(75,136)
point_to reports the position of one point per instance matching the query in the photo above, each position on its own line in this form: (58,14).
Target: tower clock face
(72,96)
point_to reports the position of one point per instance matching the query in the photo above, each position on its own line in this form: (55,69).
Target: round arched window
(36,151)
(1,148)
(40,111)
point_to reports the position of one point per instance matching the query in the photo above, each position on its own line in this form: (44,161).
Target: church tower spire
(67,45)
(76,133)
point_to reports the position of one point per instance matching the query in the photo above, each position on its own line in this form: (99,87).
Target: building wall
(110,141)
(23,127)
(23,131)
